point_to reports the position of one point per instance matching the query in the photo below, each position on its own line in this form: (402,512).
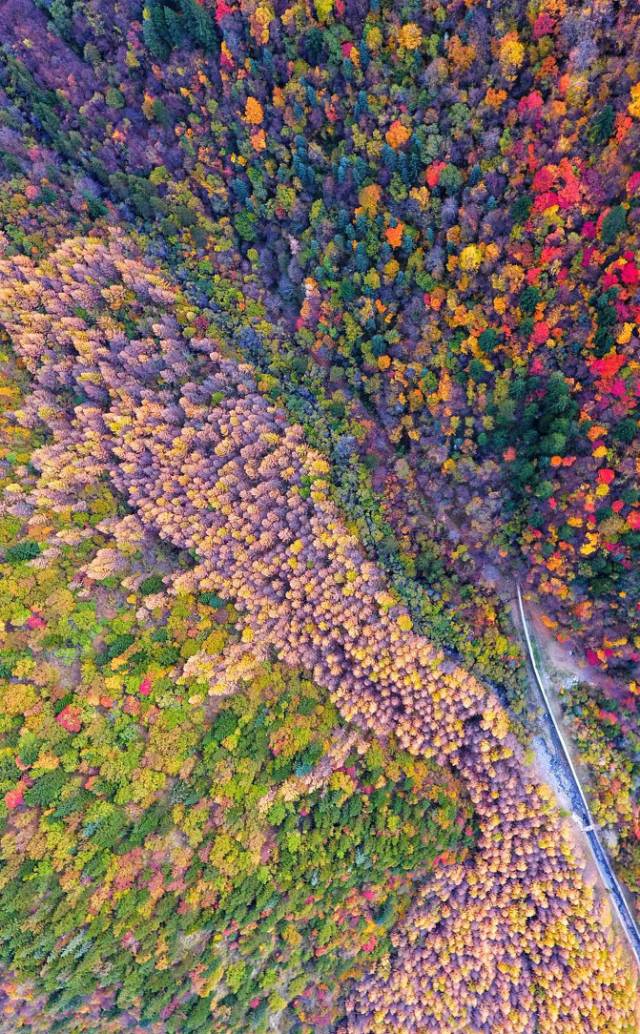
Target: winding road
(582,811)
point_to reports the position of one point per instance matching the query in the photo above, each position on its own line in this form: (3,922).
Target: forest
(319,330)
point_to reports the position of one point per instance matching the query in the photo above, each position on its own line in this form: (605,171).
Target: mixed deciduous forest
(319,330)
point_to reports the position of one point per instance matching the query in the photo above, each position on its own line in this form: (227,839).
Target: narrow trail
(582,811)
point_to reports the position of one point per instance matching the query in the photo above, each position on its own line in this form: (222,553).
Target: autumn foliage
(321,323)
(209,465)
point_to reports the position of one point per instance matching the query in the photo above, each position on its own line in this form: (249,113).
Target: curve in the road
(600,857)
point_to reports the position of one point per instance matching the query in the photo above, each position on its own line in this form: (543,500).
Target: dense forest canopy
(319,328)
